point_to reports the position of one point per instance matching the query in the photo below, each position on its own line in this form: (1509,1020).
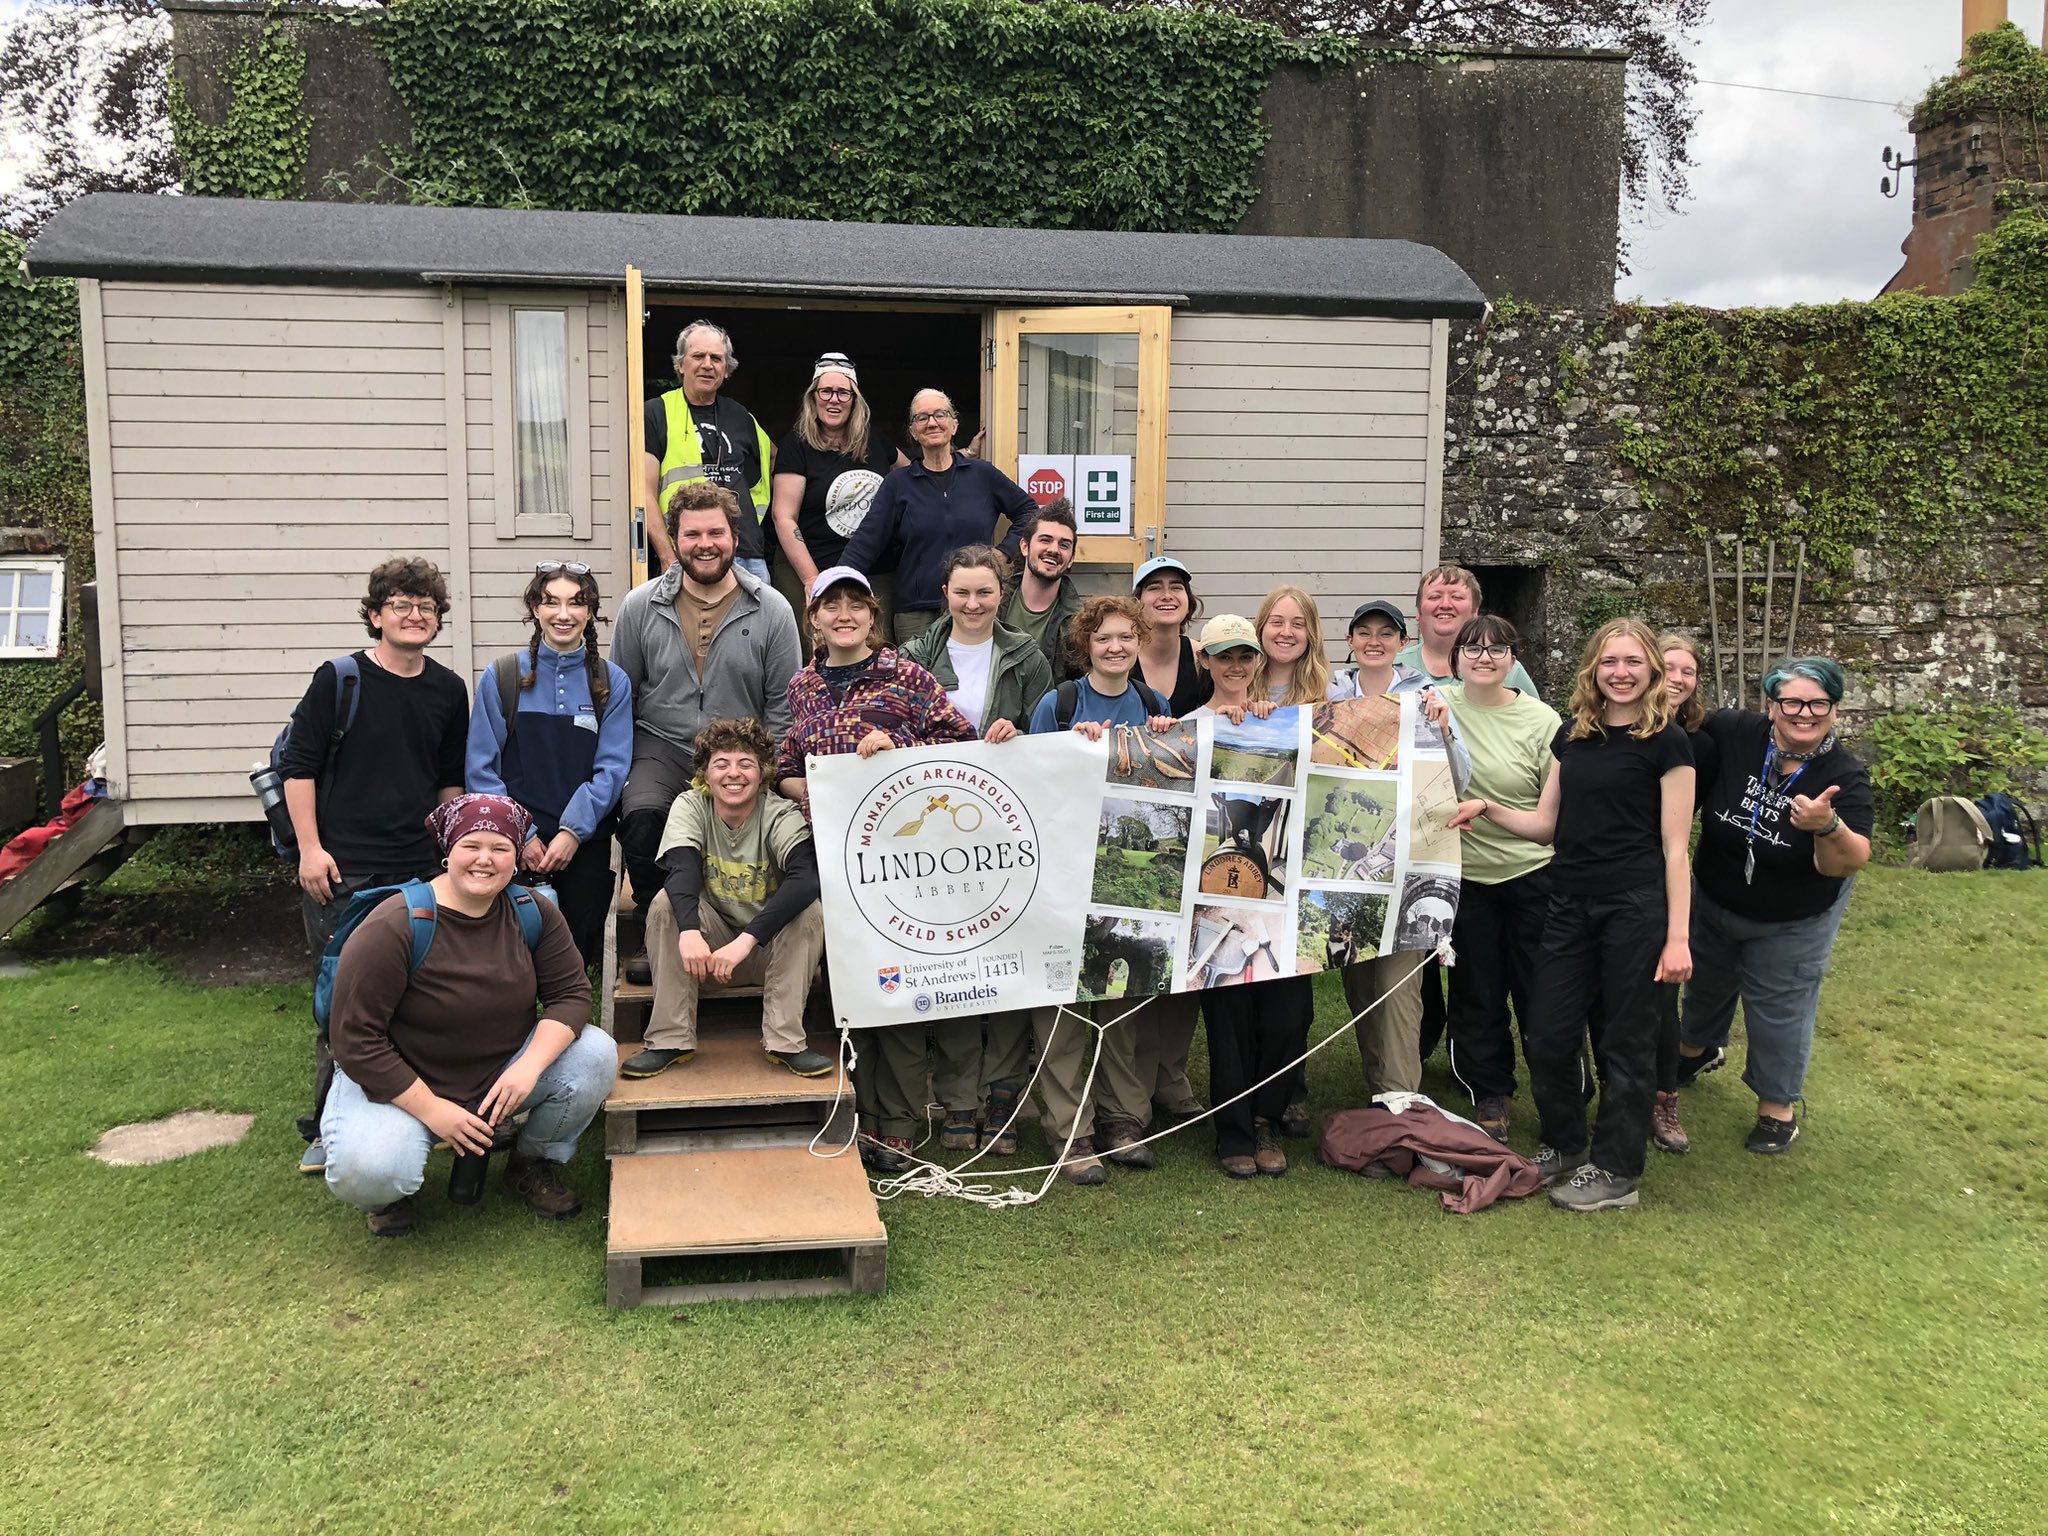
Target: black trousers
(1598,949)
(1435,1016)
(1498,937)
(583,890)
(1253,1032)
(1667,1037)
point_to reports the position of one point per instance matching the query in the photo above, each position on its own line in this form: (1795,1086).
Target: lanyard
(1756,810)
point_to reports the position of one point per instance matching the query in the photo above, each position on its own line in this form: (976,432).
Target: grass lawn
(1850,1338)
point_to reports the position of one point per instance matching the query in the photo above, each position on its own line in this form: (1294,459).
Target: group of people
(1581,919)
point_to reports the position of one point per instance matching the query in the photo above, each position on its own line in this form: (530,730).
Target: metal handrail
(54,784)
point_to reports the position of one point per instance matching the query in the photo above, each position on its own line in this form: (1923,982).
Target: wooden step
(695,1205)
(729,1086)
(640,994)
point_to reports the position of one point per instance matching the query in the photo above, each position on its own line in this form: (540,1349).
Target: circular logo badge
(942,858)
(847,500)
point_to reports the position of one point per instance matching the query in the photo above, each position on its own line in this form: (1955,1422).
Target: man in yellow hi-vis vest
(695,433)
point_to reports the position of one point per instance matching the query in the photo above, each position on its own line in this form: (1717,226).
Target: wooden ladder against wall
(712,1162)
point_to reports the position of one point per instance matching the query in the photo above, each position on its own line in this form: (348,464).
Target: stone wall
(1538,500)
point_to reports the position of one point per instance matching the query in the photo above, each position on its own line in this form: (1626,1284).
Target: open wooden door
(1077,402)
(636,422)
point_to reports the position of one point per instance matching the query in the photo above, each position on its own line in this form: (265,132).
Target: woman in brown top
(449,1049)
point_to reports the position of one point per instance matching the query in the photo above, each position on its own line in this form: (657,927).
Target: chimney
(1981,16)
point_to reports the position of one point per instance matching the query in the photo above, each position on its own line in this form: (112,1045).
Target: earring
(444,863)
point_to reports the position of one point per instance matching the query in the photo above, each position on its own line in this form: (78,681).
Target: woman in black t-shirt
(1682,681)
(827,471)
(1617,808)
(1785,821)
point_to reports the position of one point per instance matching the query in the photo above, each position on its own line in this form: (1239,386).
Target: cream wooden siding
(1306,450)
(256,450)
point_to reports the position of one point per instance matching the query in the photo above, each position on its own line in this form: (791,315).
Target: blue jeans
(758,569)
(377,1153)
(1774,970)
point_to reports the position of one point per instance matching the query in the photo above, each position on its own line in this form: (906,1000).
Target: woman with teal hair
(1785,821)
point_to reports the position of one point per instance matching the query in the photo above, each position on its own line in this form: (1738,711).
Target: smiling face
(1113,648)
(844,619)
(1233,671)
(1623,674)
(1801,714)
(1285,633)
(973,597)
(734,779)
(932,420)
(1443,608)
(705,545)
(1485,662)
(481,864)
(562,613)
(1166,598)
(1050,554)
(702,365)
(407,621)
(1681,675)
(1375,642)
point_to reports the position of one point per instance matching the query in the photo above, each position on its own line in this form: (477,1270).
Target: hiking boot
(539,1183)
(1771,1136)
(1081,1165)
(884,1154)
(961,1132)
(638,970)
(1553,1165)
(1492,1113)
(998,1136)
(1123,1144)
(1595,1189)
(1238,1167)
(1692,1068)
(1184,1109)
(652,1063)
(1269,1159)
(1294,1121)
(314,1158)
(394,1220)
(804,1063)
(1664,1127)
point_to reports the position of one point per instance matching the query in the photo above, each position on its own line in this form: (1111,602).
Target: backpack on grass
(1950,834)
(2015,840)
(419,896)
(347,695)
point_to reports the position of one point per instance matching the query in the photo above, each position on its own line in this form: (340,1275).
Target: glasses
(566,567)
(921,417)
(1819,709)
(405,607)
(1485,652)
(834,393)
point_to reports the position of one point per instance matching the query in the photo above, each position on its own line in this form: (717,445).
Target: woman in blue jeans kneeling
(452,1050)
(1785,824)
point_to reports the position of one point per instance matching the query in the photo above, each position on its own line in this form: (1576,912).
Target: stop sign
(1046,485)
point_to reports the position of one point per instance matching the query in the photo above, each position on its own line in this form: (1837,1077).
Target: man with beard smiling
(705,640)
(1044,598)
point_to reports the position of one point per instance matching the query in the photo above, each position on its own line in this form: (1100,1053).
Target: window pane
(1078,394)
(32,628)
(35,590)
(540,366)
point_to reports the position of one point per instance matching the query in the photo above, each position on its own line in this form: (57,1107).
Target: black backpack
(1067,697)
(347,695)
(2015,840)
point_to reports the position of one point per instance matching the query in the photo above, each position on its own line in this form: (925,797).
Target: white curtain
(540,366)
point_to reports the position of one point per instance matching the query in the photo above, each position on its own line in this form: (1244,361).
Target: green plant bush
(967,112)
(1967,749)
(260,148)
(2001,72)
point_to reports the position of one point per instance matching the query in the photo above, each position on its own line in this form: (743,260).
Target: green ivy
(1966,749)
(2001,72)
(964,112)
(1893,424)
(260,149)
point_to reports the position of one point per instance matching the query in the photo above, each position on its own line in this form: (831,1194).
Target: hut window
(31,606)
(540,367)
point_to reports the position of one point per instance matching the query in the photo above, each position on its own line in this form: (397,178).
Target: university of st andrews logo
(889,977)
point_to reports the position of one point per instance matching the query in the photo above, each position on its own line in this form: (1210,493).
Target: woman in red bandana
(451,1048)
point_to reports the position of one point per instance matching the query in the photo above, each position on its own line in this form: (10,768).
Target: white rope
(933,1179)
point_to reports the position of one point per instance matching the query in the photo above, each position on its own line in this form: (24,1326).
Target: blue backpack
(419,895)
(2011,826)
(347,691)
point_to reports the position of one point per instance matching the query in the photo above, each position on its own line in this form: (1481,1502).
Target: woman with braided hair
(553,730)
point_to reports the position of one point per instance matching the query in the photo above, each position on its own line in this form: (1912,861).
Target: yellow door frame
(636,425)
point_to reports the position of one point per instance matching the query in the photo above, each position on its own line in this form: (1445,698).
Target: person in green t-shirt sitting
(739,905)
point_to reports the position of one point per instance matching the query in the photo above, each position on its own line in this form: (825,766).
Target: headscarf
(454,820)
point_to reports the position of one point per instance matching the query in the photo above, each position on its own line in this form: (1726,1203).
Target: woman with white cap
(827,471)
(1165,589)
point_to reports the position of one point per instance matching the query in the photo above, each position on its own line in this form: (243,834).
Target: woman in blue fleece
(563,747)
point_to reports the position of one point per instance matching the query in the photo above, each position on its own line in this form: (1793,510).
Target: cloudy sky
(1785,206)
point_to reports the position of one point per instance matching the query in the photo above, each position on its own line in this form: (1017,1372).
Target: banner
(1050,869)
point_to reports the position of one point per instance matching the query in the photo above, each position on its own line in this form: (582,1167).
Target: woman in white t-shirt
(995,676)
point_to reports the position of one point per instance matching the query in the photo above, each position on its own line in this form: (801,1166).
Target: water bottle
(466,1178)
(545,892)
(269,787)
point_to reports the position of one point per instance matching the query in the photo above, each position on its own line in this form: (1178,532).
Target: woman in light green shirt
(1506,886)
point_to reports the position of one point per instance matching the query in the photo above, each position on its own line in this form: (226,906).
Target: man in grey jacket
(702,641)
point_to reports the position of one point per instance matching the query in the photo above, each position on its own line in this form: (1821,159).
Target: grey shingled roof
(223,240)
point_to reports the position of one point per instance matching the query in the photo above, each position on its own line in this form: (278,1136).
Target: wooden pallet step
(729,1085)
(771,1200)
(640,994)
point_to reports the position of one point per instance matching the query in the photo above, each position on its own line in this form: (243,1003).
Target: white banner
(1053,869)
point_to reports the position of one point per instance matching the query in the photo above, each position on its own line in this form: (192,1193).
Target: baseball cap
(1391,612)
(832,575)
(1226,632)
(1157,564)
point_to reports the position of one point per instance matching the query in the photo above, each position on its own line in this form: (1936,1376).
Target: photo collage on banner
(1374,880)
(1147,833)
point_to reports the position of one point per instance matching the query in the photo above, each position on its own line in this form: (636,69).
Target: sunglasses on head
(567,567)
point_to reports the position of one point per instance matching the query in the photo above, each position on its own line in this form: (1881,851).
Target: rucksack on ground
(419,896)
(1950,834)
(347,695)
(2015,840)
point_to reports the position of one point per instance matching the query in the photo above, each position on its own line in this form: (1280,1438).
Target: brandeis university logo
(943,858)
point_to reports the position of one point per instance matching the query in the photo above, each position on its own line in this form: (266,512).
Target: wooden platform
(682,1205)
(729,1096)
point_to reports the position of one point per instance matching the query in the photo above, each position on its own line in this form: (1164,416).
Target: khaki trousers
(1065,1047)
(1166,1030)
(889,1079)
(782,968)
(1390,1036)
(970,1053)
